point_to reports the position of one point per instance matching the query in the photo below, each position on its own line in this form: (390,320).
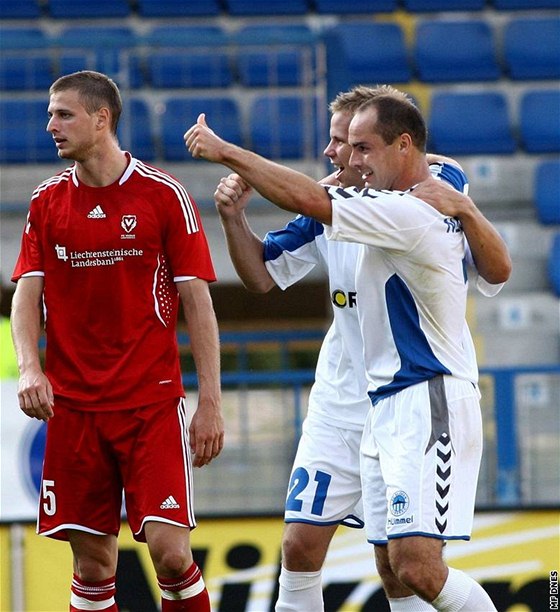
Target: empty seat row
(280,127)
(475,123)
(254,56)
(288,127)
(262,55)
(443,51)
(69,9)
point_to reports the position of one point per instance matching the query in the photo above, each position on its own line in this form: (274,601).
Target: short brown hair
(396,114)
(95,90)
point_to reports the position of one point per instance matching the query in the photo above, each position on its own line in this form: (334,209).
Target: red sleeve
(186,245)
(30,258)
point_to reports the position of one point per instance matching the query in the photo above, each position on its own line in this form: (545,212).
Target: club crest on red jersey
(128,223)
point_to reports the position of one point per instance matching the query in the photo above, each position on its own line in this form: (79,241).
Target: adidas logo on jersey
(97,213)
(169,503)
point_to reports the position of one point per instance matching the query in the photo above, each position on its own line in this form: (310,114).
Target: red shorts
(91,457)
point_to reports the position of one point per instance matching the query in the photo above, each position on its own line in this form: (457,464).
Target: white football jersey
(412,282)
(339,394)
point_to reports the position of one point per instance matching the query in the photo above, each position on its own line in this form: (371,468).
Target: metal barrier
(513,450)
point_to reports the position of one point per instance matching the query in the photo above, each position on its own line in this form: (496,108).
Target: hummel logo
(169,503)
(97,213)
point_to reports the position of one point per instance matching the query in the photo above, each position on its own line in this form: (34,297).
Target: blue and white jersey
(339,394)
(412,282)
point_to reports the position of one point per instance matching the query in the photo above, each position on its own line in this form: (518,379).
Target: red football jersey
(110,257)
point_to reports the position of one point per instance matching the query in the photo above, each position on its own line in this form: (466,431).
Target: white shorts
(325,486)
(420,458)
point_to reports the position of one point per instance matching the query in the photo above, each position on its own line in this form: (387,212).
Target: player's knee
(170,563)
(94,568)
(298,556)
(417,576)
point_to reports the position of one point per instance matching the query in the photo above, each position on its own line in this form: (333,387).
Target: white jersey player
(425,413)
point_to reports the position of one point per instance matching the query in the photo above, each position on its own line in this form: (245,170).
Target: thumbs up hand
(202,142)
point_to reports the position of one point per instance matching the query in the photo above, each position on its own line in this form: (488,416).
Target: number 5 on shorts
(49,503)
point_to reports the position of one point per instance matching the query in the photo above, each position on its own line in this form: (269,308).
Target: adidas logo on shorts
(169,503)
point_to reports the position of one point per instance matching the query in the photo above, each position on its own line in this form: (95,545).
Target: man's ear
(405,142)
(103,117)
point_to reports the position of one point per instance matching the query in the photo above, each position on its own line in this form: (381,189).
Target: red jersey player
(110,247)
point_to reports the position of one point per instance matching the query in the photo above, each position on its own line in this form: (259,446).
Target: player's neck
(103,168)
(416,171)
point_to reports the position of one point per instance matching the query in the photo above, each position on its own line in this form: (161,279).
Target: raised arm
(283,186)
(488,249)
(35,393)
(245,247)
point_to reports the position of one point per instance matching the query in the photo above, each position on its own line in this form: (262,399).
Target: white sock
(461,593)
(409,604)
(299,591)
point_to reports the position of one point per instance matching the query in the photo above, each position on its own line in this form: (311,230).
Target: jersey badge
(128,223)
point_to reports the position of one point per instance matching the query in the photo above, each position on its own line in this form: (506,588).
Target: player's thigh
(374,489)
(158,469)
(423,435)
(81,482)
(325,486)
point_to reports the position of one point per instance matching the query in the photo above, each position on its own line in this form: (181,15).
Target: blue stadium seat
(546,191)
(361,52)
(426,6)
(267,7)
(188,56)
(20,9)
(83,9)
(101,48)
(280,55)
(222,115)
(181,68)
(25,72)
(23,38)
(185,36)
(336,7)
(470,124)
(135,129)
(23,135)
(178,8)
(554,264)
(539,121)
(455,51)
(24,65)
(512,5)
(532,48)
(284,127)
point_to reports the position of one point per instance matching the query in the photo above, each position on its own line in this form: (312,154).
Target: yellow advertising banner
(515,555)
